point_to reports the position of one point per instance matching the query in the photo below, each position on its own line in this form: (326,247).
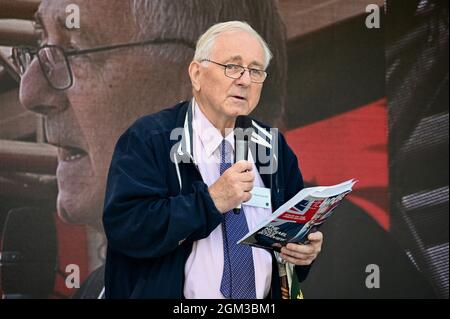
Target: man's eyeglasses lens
(55,66)
(52,61)
(21,59)
(236,71)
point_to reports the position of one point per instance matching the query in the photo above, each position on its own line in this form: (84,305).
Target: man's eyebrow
(234,58)
(256,63)
(39,27)
(86,35)
(239,58)
(61,21)
(38,18)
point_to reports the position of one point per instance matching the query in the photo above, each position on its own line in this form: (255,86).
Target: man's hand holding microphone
(233,187)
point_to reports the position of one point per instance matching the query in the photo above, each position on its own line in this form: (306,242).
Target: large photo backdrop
(359,89)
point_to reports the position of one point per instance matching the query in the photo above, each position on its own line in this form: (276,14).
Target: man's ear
(194,74)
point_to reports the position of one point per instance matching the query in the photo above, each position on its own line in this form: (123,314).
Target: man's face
(224,98)
(111,89)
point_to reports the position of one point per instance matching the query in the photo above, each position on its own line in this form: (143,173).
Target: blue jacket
(157,205)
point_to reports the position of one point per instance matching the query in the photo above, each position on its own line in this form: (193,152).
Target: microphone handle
(241,150)
(241,153)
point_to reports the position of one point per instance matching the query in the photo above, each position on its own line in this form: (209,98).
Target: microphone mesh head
(243,122)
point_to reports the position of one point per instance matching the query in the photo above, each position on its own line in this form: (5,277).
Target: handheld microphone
(242,127)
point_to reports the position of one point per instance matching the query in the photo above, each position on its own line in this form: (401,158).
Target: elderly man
(91,83)
(169,223)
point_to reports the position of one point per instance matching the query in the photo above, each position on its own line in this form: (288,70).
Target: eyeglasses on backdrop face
(54,59)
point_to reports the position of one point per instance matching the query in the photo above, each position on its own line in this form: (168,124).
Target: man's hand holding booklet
(294,220)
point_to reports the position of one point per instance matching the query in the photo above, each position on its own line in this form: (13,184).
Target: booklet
(294,220)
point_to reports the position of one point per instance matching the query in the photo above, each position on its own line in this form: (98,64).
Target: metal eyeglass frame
(33,52)
(225,66)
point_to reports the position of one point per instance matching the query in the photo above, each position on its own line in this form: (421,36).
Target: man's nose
(245,79)
(37,95)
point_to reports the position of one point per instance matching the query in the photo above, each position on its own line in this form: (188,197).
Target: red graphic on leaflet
(296,215)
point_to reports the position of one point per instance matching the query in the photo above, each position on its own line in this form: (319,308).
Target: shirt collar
(209,135)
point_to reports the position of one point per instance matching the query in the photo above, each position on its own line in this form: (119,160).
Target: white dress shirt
(204,267)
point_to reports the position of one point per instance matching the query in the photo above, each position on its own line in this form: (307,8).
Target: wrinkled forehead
(101,21)
(229,45)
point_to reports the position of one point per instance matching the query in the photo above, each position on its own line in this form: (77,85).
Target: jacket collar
(184,150)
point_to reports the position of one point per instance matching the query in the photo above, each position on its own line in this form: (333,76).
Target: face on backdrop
(110,90)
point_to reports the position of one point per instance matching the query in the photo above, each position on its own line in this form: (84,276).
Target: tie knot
(226,152)
(225,156)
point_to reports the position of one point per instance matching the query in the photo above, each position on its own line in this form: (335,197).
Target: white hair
(207,40)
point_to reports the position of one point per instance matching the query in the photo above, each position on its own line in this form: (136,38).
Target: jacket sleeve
(140,219)
(291,168)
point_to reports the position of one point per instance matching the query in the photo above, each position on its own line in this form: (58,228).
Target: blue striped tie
(238,278)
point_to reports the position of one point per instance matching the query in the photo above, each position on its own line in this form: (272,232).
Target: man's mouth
(70,154)
(239,97)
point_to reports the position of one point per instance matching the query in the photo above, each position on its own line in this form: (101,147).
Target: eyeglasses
(54,59)
(236,71)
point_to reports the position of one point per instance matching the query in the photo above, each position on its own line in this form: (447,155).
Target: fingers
(299,251)
(247,186)
(300,254)
(316,241)
(242,166)
(247,177)
(246,196)
(315,237)
(233,187)
(297,261)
